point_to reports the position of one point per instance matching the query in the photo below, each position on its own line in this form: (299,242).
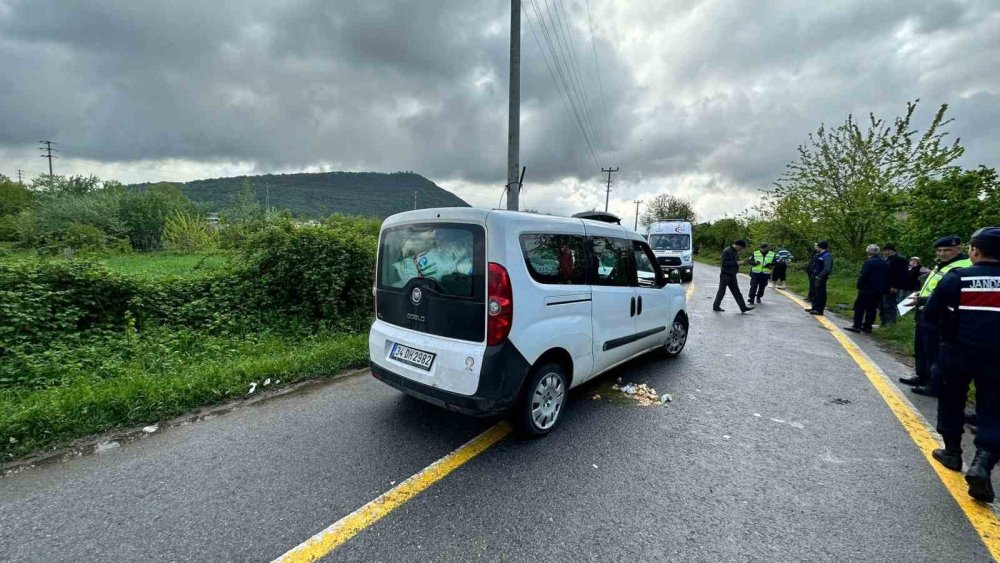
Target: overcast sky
(703,99)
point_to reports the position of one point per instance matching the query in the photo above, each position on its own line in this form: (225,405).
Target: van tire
(688,276)
(545,389)
(676,338)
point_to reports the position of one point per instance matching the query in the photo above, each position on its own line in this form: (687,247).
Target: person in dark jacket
(809,274)
(965,306)
(898,283)
(873,284)
(822,269)
(727,279)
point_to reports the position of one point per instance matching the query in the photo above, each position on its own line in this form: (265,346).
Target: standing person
(822,269)
(914,275)
(727,279)
(760,272)
(809,274)
(873,284)
(966,308)
(898,284)
(779,275)
(926,338)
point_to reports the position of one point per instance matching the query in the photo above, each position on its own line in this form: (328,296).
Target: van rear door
(431,278)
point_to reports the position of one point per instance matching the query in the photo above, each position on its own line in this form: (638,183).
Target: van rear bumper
(503,372)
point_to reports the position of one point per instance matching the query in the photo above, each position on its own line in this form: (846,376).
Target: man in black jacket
(822,269)
(727,279)
(809,273)
(899,283)
(873,283)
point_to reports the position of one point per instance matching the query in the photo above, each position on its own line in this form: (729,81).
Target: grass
(162,264)
(160,379)
(841,291)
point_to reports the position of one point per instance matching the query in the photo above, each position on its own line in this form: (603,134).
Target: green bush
(84,237)
(188,233)
(317,273)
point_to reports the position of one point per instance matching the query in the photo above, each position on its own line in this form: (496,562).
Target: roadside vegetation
(121,308)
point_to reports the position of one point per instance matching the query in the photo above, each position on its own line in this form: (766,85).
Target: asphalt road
(776,447)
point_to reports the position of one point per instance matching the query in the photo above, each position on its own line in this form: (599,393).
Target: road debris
(106,446)
(595,466)
(642,394)
(253,387)
(839,401)
(267,382)
(150,429)
(596,398)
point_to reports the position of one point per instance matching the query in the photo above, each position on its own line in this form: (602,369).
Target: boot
(951,455)
(978,476)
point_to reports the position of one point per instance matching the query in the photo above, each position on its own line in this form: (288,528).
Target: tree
(850,179)
(13,196)
(956,204)
(666,206)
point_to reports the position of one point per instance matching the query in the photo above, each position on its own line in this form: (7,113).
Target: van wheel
(676,339)
(542,402)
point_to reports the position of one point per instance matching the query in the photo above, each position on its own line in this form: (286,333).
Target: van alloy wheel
(547,401)
(677,339)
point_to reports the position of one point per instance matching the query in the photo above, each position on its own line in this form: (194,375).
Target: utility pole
(514,108)
(19,180)
(414,200)
(267,198)
(607,196)
(47,149)
(636,202)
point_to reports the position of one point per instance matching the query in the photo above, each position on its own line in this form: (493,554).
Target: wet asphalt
(775,447)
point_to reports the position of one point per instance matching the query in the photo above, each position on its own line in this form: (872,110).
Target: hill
(354,193)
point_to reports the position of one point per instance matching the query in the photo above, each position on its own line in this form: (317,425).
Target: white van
(483,312)
(671,241)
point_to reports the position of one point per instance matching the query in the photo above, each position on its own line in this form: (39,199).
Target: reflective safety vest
(938,272)
(762,260)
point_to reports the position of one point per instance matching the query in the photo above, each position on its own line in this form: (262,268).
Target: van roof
(479,215)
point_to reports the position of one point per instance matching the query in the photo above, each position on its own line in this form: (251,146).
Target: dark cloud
(714,96)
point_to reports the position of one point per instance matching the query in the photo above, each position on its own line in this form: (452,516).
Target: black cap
(891,247)
(740,242)
(764,245)
(944,242)
(991,234)
(823,244)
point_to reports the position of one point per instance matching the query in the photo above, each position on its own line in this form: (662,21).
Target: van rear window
(442,254)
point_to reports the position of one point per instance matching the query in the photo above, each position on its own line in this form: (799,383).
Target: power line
(558,70)
(597,67)
(575,60)
(47,149)
(562,40)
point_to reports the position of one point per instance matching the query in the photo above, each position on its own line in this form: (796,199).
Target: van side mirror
(674,277)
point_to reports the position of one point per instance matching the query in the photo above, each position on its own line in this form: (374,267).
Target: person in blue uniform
(821,271)
(966,308)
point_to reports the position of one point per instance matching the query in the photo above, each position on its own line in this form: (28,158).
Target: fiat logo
(416,296)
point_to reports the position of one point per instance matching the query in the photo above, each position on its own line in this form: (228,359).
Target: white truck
(672,244)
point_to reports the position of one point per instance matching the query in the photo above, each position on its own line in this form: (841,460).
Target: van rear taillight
(499,305)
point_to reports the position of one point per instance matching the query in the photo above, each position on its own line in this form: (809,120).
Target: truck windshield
(670,241)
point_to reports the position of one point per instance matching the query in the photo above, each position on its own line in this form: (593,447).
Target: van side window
(648,274)
(554,258)
(612,262)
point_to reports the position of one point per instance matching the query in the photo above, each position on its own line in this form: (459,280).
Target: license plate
(407,355)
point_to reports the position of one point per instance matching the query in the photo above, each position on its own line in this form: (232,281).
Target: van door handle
(632,309)
(639,311)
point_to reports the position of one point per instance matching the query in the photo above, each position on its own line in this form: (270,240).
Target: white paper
(904,306)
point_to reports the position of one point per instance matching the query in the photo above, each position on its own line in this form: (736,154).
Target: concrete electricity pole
(514,108)
(19,180)
(47,149)
(636,202)
(607,196)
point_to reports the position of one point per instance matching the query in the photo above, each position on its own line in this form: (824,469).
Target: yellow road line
(690,291)
(980,515)
(347,527)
